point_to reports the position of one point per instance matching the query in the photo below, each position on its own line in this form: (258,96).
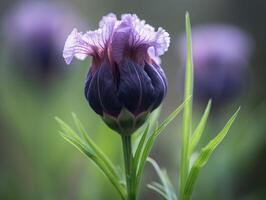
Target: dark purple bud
(159,82)
(135,89)
(125,97)
(125,82)
(101,91)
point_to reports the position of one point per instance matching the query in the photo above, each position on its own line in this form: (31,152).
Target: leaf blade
(154,135)
(94,146)
(205,154)
(67,129)
(200,128)
(158,190)
(166,183)
(73,138)
(140,148)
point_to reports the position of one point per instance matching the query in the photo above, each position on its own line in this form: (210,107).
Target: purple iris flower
(34,33)
(125,81)
(221,56)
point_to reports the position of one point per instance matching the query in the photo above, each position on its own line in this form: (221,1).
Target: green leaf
(152,121)
(81,147)
(154,116)
(72,137)
(167,189)
(137,155)
(93,146)
(200,128)
(157,189)
(158,185)
(187,114)
(148,145)
(204,156)
(67,129)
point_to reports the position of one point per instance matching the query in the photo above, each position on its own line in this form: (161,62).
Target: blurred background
(229,39)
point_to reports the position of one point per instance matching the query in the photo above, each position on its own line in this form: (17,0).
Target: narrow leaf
(140,148)
(172,116)
(200,128)
(93,146)
(156,189)
(187,114)
(167,185)
(73,138)
(154,116)
(205,154)
(77,144)
(153,136)
(158,185)
(67,129)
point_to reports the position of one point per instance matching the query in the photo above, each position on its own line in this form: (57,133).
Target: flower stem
(128,159)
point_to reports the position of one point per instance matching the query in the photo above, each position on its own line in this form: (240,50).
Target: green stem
(187,115)
(128,159)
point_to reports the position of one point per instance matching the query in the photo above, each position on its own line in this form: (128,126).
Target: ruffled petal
(129,37)
(162,42)
(92,42)
(107,24)
(134,37)
(76,46)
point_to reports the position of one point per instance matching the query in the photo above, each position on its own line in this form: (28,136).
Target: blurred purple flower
(35,32)
(125,82)
(221,56)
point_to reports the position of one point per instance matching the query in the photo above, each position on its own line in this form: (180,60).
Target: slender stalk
(128,159)
(187,115)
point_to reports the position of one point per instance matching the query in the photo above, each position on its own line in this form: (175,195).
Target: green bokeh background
(36,163)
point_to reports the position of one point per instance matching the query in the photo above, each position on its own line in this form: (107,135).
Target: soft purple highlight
(227,41)
(33,19)
(221,55)
(34,33)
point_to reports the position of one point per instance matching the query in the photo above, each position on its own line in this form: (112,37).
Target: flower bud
(221,56)
(125,82)
(35,41)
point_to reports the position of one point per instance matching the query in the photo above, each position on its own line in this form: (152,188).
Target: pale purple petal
(116,38)
(92,42)
(146,34)
(162,39)
(80,46)
(134,34)
(75,46)
(119,42)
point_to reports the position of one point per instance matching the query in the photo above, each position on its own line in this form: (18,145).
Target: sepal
(126,123)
